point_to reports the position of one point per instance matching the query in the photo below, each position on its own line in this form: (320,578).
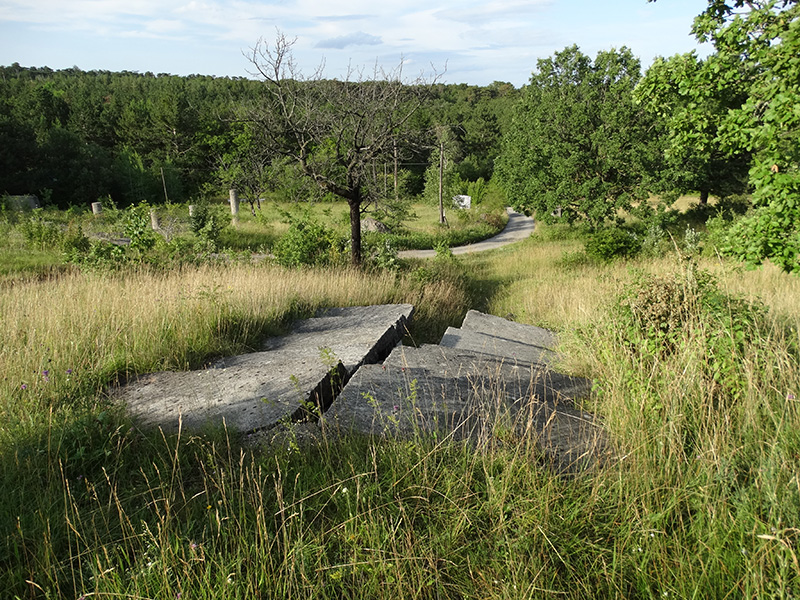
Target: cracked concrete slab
(260,389)
(500,337)
(465,394)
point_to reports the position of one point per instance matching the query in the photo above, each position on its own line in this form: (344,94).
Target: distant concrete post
(192,208)
(154,219)
(234,200)
(97,208)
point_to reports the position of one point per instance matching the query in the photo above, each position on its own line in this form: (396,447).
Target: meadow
(696,368)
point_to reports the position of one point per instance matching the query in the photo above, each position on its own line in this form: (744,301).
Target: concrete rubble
(489,379)
(259,390)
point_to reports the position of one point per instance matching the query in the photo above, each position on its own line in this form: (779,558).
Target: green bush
(39,233)
(308,243)
(382,255)
(207,224)
(137,227)
(660,316)
(611,243)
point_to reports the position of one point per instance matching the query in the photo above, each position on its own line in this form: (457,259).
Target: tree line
(72,136)
(583,140)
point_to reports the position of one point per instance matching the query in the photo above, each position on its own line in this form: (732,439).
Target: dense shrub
(614,242)
(308,243)
(40,233)
(660,316)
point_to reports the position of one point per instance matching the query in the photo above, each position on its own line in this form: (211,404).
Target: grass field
(703,501)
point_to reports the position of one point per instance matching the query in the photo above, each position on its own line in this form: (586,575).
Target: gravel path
(519,227)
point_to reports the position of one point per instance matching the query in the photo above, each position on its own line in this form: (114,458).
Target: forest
(72,137)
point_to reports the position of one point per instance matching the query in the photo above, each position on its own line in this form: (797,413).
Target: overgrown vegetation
(696,383)
(294,235)
(696,362)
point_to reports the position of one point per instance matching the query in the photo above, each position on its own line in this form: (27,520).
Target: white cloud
(358,38)
(485,39)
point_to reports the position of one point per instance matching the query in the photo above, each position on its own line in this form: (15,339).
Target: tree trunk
(703,197)
(355,231)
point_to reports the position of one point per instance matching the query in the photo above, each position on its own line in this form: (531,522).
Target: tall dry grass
(73,334)
(706,419)
(702,501)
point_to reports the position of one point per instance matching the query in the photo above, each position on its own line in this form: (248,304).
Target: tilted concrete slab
(500,337)
(354,335)
(509,330)
(260,389)
(464,394)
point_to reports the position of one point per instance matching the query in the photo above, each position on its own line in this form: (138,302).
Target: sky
(467,41)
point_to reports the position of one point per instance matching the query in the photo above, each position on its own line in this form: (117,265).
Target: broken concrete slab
(354,335)
(468,395)
(500,337)
(258,390)
(509,330)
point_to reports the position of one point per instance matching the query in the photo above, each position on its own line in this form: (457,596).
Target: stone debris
(490,379)
(294,373)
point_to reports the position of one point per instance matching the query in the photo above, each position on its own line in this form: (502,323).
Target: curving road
(518,228)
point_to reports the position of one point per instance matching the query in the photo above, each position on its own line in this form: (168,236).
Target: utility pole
(396,160)
(442,220)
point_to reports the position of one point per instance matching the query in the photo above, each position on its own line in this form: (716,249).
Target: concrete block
(459,394)
(303,369)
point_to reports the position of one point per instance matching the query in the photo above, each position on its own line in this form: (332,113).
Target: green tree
(757,45)
(578,145)
(335,130)
(689,99)
(442,179)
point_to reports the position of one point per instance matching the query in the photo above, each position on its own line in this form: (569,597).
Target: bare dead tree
(335,130)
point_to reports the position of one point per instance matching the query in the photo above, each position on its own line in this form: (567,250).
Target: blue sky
(477,41)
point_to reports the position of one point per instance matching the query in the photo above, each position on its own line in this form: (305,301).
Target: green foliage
(99,255)
(579,146)
(613,242)
(207,224)
(658,314)
(754,71)
(137,227)
(691,102)
(308,242)
(443,164)
(40,233)
(394,213)
(382,255)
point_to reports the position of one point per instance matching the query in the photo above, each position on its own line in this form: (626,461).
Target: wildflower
(69,371)
(24,386)
(344,490)
(46,375)
(396,407)
(790,396)
(193,546)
